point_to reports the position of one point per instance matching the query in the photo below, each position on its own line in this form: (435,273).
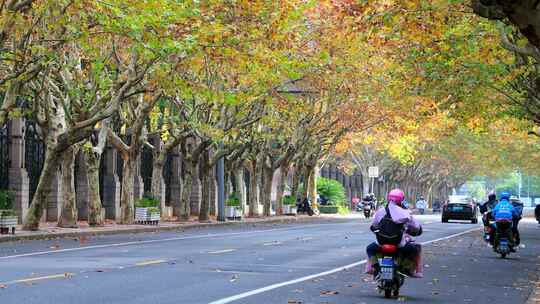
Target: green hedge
(332,190)
(147,202)
(288,200)
(329,209)
(233,200)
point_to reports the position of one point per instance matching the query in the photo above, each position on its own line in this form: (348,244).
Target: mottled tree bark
(35,212)
(68,214)
(204,212)
(267,175)
(185,208)
(239,174)
(127,200)
(284,170)
(253,189)
(94,205)
(158,184)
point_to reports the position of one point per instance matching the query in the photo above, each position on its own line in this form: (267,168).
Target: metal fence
(34,155)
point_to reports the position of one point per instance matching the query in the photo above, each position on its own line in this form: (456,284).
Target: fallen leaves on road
(329,292)
(294,302)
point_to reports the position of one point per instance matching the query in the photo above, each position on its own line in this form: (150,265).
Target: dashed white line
(134,243)
(221,251)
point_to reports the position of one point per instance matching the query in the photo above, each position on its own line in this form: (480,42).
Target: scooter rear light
(388,249)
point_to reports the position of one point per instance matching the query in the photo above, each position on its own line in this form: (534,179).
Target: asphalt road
(286,263)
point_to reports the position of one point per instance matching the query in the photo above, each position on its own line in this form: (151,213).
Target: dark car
(461,208)
(537,213)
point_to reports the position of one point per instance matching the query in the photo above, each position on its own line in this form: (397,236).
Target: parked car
(537,213)
(460,208)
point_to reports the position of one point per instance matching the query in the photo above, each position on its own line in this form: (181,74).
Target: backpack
(390,232)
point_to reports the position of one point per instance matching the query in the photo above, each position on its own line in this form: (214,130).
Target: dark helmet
(505,195)
(492,196)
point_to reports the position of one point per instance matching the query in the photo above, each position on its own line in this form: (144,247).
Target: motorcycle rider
(421,205)
(408,249)
(368,200)
(485,210)
(518,206)
(504,214)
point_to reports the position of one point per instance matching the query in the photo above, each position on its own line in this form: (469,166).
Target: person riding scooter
(395,225)
(421,205)
(504,214)
(486,209)
(518,206)
(368,204)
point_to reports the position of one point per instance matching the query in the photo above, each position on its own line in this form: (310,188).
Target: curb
(59,235)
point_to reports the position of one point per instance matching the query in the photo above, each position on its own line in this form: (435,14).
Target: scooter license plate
(387,273)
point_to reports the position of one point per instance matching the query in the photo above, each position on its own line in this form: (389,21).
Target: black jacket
(487,206)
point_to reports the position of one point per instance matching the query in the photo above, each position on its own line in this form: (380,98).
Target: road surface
(285,263)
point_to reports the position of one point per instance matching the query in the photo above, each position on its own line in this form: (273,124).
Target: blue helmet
(505,195)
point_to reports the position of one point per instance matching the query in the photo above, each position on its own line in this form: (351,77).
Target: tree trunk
(284,170)
(127,201)
(306,173)
(295,182)
(185,208)
(68,214)
(204,212)
(239,173)
(312,183)
(158,184)
(366,182)
(95,206)
(267,176)
(212,191)
(253,190)
(35,212)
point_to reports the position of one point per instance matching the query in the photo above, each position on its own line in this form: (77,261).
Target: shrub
(152,210)
(147,202)
(332,190)
(329,209)
(344,210)
(288,200)
(233,200)
(8,212)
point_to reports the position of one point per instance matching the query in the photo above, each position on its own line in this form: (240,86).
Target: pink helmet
(397,196)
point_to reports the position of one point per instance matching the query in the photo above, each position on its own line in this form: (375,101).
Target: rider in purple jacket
(407,247)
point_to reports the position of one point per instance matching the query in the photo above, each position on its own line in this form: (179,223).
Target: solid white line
(317,275)
(221,251)
(49,277)
(30,254)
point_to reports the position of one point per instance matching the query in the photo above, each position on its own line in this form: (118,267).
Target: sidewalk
(50,230)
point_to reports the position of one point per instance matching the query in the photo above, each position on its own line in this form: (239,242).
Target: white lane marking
(146,263)
(30,254)
(221,251)
(49,277)
(272,243)
(317,275)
